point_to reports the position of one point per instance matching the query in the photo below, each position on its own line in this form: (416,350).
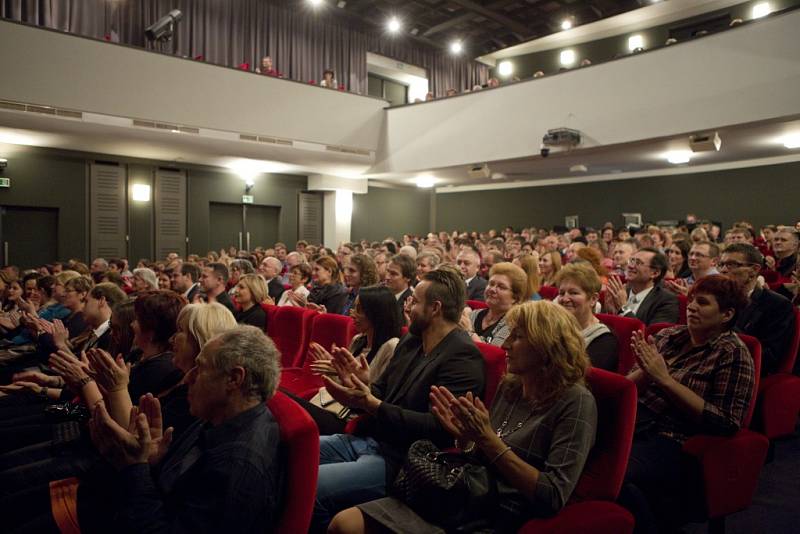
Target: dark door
(262,224)
(225,228)
(29,236)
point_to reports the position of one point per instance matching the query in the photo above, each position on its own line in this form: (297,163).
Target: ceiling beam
(485,11)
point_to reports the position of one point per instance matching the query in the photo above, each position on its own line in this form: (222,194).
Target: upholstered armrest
(778,405)
(597,517)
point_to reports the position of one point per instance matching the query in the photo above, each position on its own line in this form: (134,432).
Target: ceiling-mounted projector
(479,172)
(705,142)
(561,138)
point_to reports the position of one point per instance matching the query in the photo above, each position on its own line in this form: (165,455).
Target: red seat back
(623,328)
(327,329)
(494,363)
(788,361)
(754,347)
(270,310)
(683,300)
(616,415)
(300,442)
(477,304)
(655,328)
(289,329)
(548,292)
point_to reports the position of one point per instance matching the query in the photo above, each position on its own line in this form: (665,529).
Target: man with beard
(355,469)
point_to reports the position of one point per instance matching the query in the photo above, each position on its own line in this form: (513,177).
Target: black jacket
(475,288)
(332,296)
(659,306)
(225,299)
(768,317)
(275,289)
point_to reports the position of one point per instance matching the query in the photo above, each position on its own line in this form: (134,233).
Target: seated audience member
(98,265)
(703,258)
(299,278)
(144,279)
(400,275)
(594,258)
(381,260)
(327,294)
(642,296)
(768,316)
(377,322)
(530,264)
(214,278)
(238,268)
(507,286)
(410,251)
(292,259)
(537,435)
(329,79)
(694,379)
(251,291)
(469,262)
(578,291)
(791,290)
(268,69)
(549,265)
(164,280)
(270,269)
(426,262)
(186,281)
(488,259)
(678,260)
(785,245)
(355,469)
(623,250)
(359,271)
(232,451)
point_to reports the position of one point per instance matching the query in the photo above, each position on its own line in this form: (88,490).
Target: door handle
(5,253)
(240,240)
(248,241)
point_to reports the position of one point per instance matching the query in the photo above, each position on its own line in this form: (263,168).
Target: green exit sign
(5,182)
(247,199)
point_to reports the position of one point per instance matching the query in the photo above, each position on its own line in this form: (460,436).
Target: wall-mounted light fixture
(140,192)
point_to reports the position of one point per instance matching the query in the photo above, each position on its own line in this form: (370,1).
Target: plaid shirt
(720,371)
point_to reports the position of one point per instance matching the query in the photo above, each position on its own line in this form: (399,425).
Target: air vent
(166,126)
(44,110)
(265,139)
(347,150)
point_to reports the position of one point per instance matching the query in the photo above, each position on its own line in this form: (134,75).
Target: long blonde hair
(204,321)
(555,336)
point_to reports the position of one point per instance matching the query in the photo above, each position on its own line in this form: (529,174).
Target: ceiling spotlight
(635,41)
(567,57)
(456,47)
(393,25)
(315,3)
(426,181)
(761,9)
(505,68)
(678,157)
(791,141)
(566,24)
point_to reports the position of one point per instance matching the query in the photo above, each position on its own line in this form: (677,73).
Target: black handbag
(449,489)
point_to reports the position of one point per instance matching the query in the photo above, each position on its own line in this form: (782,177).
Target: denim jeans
(351,472)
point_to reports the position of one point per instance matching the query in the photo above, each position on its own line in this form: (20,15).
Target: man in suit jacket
(469,263)
(768,317)
(356,469)
(643,297)
(270,269)
(214,280)
(224,472)
(400,272)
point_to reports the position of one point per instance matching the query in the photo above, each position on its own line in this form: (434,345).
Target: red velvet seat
(548,292)
(623,328)
(300,440)
(779,394)
(683,301)
(289,328)
(326,329)
(592,508)
(477,304)
(270,310)
(494,359)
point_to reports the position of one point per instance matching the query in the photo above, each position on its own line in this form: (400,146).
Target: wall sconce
(141,192)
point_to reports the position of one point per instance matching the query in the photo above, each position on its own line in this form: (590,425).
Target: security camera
(162,29)
(545,151)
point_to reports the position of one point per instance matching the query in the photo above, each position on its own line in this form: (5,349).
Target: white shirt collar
(186,293)
(398,295)
(100,330)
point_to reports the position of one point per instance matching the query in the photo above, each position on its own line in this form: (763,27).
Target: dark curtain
(231,32)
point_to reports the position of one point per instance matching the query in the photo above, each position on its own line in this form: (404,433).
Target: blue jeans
(351,472)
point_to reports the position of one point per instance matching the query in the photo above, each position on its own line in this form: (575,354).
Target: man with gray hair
(225,472)
(270,269)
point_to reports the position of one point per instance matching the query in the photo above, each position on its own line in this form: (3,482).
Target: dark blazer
(255,316)
(276,289)
(193,291)
(402,300)
(768,317)
(659,306)
(225,299)
(332,296)
(475,288)
(404,416)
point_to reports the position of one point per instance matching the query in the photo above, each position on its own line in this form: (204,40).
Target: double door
(244,226)
(29,236)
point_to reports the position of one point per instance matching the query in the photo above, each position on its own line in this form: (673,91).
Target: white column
(337,208)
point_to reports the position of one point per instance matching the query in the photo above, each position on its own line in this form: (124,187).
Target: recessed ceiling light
(791,141)
(393,25)
(425,181)
(567,57)
(315,3)
(566,24)
(505,68)
(635,41)
(761,9)
(456,47)
(677,157)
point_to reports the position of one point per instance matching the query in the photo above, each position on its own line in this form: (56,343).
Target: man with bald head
(469,263)
(270,269)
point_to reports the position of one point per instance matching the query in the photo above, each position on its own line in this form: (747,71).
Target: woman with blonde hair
(508,285)
(530,264)
(549,265)
(537,435)
(251,291)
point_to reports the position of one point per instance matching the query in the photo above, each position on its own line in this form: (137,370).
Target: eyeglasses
(637,262)
(698,255)
(733,264)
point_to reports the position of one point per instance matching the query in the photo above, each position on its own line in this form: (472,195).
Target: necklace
(504,424)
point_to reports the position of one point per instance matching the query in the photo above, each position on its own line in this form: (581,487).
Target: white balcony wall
(744,75)
(50,68)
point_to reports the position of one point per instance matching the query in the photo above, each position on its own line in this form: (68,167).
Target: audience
(507,286)
(299,278)
(251,292)
(785,245)
(549,265)
(469,262)
(359,272)
(327,294)
(643,296)
(214,279)
(400,276)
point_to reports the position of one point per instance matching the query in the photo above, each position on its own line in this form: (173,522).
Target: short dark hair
(751,253)
(659,262)
(408,267)
(447,287)
(391,246)
(191,270)
(220,270)
(728,293)
(109,291)
(119,264)
(157,312)
(713,248)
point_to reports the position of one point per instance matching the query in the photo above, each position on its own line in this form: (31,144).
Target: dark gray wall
(50,179)
(761,195)
(217,185)
(141,221)
(384,212)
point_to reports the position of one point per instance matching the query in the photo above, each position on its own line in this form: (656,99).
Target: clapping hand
(296,298)
(321,360)
(161,439)
(60,335)
(346,363)
(113,375)
(616,294)
(649,359)
(122,447)
(352,393)
(316,307)
(71,369)
(466,418)
(678,286)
